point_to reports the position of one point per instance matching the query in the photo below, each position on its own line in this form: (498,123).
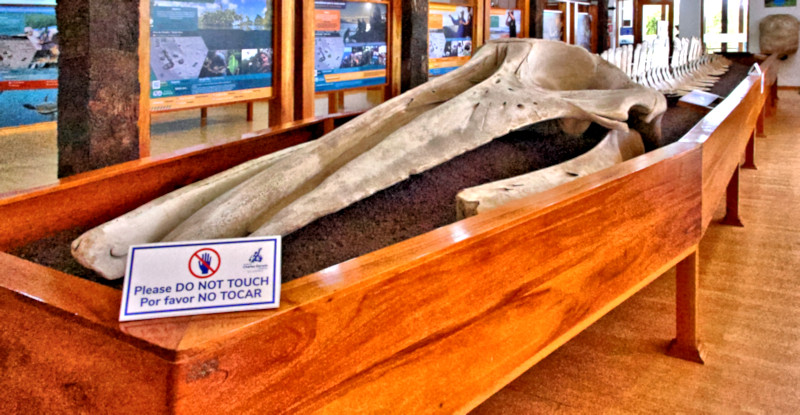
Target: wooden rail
(436,323)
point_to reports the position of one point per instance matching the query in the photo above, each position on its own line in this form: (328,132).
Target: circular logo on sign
(204,263)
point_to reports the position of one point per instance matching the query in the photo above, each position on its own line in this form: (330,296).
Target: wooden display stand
(436,323)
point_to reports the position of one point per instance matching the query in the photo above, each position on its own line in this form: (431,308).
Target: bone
(105,248)
(689,69)
(615,148)
(507,85)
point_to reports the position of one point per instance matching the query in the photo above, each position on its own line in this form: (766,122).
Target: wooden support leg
(203,116)
(250,111)
(760,122)
(686,344)
(732,201)
(750,154)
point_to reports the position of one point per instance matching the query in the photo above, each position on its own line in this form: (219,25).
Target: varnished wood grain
(748,317)
(281,107)
(395,49)
(724,133)
(144,79)
(436,323)
(304,61)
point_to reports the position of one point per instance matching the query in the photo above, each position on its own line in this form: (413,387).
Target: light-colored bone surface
(507,85)
(615,148)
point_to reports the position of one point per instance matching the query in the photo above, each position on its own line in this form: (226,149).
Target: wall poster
(208,52)
(583,31)
(28,62)
(449,37)
(552,25)
(505,23)
(349,44)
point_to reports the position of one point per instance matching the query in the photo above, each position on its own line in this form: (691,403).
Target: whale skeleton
(508,85)
(689,69)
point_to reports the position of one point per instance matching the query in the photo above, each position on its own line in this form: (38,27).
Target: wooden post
(203,116)
(304,60)
(761,117)
(750,153)
(394,67)
(602,26)
(686,344)
(414,46)
(732,201)
(98,106)
(536,18)
(144,79)
(250,108)
(281,106)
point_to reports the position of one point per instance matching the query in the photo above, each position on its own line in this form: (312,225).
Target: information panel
(28,63)
(208,52)
(349,45)
(504,23)
(552,25)
(449,37)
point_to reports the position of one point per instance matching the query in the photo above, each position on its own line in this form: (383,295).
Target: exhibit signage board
(504,23)
(28,62)
(449,37)
(209,52)
(583,30)
(552,24)
(201,277)
(349,44)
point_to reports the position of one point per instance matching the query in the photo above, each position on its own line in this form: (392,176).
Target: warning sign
(220,276)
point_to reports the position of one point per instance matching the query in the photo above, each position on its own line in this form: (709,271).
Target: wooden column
(602,26)
(686,344)
(281,107)
(536,19)
(732,201)
(414,44)
(98,105)
(394,67)
(304,60)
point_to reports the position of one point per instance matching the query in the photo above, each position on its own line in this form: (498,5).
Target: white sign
(201,277)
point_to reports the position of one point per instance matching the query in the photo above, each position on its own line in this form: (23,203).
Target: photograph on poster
(29,53)
(583,31)
(551,25)
(209,48)
(449,37)
(504,23)
(350,44)
(780,3)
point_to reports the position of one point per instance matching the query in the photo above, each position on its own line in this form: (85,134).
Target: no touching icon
(204,263)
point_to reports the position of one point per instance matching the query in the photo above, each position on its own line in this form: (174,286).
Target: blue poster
(349,45)
(28,64)
(209,47)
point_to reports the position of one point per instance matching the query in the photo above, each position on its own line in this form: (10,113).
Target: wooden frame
(524,26)
(435,323)
(307,91)
(480,16)
(281,99)
(638,16)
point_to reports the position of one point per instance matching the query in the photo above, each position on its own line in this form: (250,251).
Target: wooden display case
(436,323)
